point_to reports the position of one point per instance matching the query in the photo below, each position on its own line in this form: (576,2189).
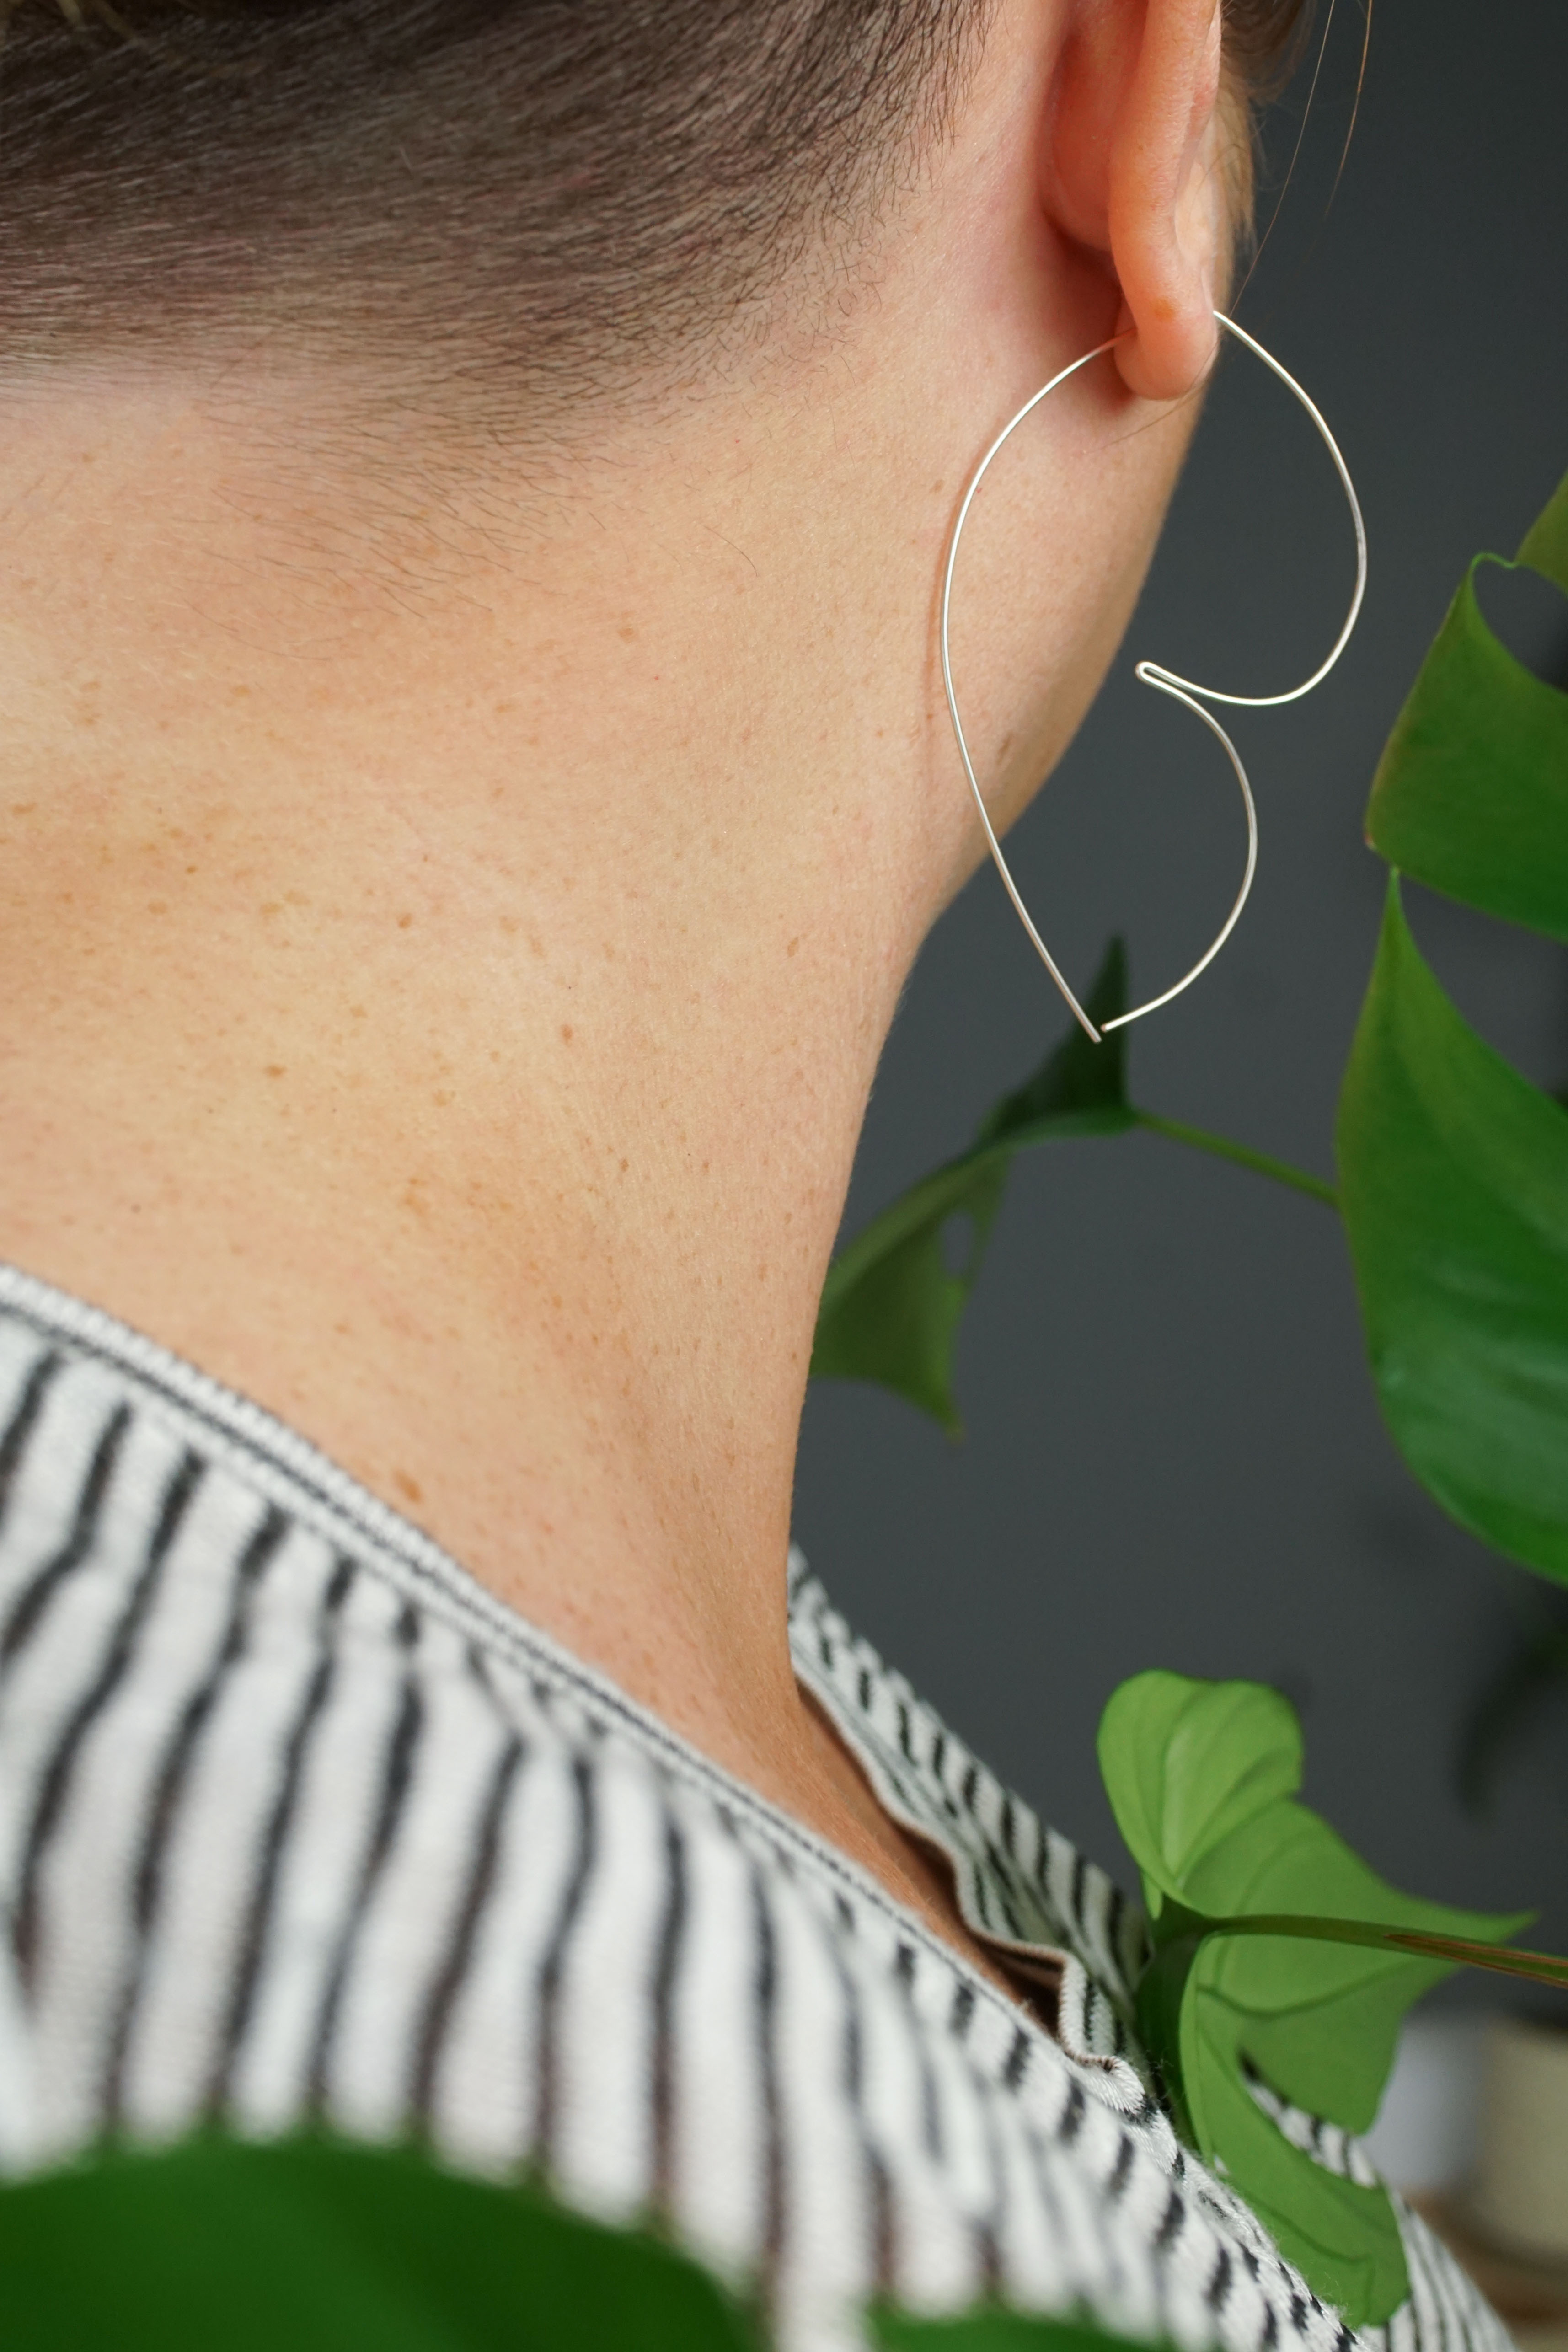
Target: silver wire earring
(1180,690)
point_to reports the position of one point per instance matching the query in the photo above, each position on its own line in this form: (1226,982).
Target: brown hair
(1263,40)
(547,191)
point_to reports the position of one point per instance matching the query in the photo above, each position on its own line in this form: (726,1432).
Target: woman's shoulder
(298,1823)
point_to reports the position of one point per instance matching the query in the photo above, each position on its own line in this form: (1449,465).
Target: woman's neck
(443,965)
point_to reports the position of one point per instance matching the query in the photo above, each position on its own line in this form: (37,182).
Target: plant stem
(1261,1163)
(1544,1967)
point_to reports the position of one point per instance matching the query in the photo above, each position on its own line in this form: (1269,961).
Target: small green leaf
(1472,794)
(891,1308)
(313,2245)
(1202,1779)
(1454,1184)
(1185,1763)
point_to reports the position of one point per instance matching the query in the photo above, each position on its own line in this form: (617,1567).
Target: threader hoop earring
(1181,689)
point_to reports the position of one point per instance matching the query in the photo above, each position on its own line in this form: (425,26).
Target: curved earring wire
(1184,690)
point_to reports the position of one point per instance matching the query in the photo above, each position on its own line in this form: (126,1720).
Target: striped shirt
(298,1823)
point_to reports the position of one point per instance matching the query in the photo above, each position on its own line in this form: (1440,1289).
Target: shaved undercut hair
(550,195)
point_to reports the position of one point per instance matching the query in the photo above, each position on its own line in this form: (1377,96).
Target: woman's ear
(1135,172)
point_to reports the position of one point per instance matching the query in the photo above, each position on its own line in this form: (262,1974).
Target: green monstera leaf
(1278,1954)
(1453,1168)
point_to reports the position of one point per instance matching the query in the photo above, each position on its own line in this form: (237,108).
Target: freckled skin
(444,1005)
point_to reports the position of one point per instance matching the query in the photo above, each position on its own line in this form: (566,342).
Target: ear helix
(1184,690)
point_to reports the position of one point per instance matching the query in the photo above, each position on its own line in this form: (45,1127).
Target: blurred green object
(316,2245)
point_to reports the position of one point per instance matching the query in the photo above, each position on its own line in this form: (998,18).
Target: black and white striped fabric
(297,1822)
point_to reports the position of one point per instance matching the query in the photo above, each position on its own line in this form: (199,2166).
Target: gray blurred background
(1174,1455)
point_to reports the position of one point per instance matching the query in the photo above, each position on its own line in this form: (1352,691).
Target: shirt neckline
(295,1473)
